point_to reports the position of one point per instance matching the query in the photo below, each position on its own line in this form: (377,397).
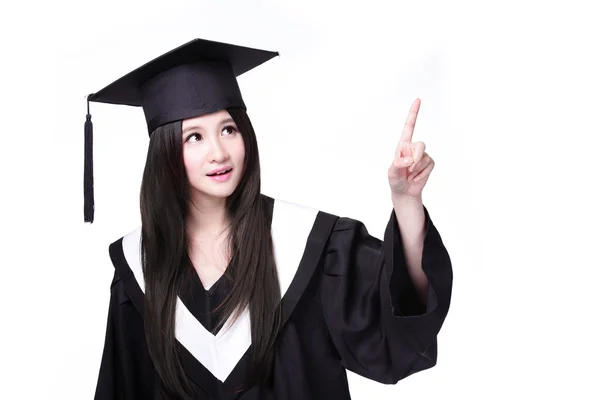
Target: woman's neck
(207,218)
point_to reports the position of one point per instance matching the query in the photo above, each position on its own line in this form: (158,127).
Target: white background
(509,112)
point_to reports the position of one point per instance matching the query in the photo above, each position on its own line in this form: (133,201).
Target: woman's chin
(219,193)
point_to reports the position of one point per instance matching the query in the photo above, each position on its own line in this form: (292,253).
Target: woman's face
(211,143)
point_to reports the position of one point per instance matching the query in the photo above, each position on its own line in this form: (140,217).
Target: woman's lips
(221,177)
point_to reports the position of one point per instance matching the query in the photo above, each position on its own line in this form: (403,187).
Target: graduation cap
(197,78)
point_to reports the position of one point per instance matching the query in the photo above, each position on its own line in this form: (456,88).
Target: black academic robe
(348,304)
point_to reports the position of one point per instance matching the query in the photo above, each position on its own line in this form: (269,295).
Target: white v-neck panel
(290,228)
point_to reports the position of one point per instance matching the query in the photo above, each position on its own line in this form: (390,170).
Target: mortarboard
(197,78)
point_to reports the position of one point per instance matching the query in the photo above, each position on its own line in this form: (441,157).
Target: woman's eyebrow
(192,127)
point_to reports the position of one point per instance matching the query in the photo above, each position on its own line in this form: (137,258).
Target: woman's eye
(195,136)
(229,129)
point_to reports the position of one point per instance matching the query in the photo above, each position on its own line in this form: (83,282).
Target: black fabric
(203,303)
(193,79)
(350,307)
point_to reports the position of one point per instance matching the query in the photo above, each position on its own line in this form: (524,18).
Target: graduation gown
(348,304)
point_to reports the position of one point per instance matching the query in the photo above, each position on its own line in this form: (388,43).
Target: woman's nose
(218,152)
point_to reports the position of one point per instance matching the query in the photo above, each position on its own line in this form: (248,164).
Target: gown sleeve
(125,368)
(378,325)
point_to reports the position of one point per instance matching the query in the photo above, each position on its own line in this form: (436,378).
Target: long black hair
(164,199)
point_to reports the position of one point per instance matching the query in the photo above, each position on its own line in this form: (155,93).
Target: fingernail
(408,160)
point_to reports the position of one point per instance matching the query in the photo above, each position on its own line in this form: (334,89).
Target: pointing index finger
(411,120)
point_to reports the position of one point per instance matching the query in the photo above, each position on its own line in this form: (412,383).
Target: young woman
(226,293)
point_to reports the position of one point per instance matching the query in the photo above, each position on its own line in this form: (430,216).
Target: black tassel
(88,171)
